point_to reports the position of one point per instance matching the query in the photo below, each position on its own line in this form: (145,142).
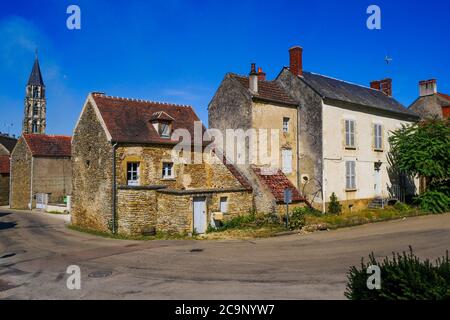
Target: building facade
(126,178)
(252,108)
(41,171)
(340,133)
(7,144)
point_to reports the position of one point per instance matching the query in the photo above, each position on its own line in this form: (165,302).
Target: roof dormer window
(162,122)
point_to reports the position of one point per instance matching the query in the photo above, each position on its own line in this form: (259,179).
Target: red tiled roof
(277,182)
(267,90)
(42,145)
(4,164)
(129,120)
(444,96)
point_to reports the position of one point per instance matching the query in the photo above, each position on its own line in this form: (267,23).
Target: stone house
(340,131)
(126,178)
(41,171)
(431,104)
(246,103)
(7,144)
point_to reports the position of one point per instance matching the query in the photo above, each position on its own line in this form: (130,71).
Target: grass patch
(158,236)
(349,219)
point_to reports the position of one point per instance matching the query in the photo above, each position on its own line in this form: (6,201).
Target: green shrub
(433,201)
(403,277)
(400,206)
(297,219)
(334,207)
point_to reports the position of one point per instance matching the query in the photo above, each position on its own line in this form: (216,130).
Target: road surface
(36,249)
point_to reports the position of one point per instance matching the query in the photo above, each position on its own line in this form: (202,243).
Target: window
(35,92)
(34,127)
(350,133)
(167,171)
(224,204)
(286,160)
(35,109)
(377,134)
(350,175)
(164,130)
(133,173)
(285,125)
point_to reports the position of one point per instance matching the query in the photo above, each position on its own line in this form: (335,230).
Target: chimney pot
(384,86)
(253,79)
(296,60)
(427,87)
(261,75)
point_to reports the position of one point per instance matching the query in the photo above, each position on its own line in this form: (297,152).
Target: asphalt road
(36,249)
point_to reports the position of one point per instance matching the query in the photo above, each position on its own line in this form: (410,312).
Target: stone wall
(91,174)
(310,132)
(136,210)
(52,176)
(20,176)
(4,189)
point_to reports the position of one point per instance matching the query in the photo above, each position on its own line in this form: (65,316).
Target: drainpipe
(114,188)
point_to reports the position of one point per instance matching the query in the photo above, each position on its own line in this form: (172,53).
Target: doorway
(200,222)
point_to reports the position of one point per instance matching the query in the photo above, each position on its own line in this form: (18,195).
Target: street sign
(287,196)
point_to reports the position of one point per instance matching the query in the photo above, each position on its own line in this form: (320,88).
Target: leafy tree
(423,149)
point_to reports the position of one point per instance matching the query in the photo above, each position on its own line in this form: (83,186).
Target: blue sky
(179,51)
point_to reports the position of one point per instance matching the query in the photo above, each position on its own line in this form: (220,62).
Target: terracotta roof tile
(42,145)
(277,182)
(267,90)
(444,96)
(4,164)
(129,120)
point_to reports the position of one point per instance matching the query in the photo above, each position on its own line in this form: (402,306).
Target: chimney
(296,60)
(261,75)
(253,79)
(427,87)
(384,86)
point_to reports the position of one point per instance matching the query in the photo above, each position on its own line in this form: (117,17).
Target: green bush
(334,207)
(434,201)
(403,277)
(297,219)
(400,206)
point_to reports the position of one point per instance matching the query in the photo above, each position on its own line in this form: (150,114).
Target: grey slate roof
(348,92)
(36,76)
(8,142)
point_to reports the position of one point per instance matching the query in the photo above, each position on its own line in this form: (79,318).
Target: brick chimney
(253,79)
(296,60)
(384,86)
(261,75)
(427,87)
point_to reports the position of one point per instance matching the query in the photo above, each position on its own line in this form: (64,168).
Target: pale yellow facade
(368,183)
(267,116)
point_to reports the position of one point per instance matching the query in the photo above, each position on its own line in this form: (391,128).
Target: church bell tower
(35,103)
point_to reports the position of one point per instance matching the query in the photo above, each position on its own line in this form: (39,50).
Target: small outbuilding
(41,171)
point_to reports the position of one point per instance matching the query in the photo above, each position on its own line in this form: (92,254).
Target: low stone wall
(136,210)
(4,189)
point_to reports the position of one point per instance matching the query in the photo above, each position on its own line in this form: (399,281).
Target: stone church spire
(35,103)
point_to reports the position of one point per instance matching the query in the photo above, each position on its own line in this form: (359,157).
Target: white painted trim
(91,99)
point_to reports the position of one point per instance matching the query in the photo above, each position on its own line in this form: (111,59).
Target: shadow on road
(7,225)
(3,214)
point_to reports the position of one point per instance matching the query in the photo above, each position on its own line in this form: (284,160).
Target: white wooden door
(200,215)
(286,164)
